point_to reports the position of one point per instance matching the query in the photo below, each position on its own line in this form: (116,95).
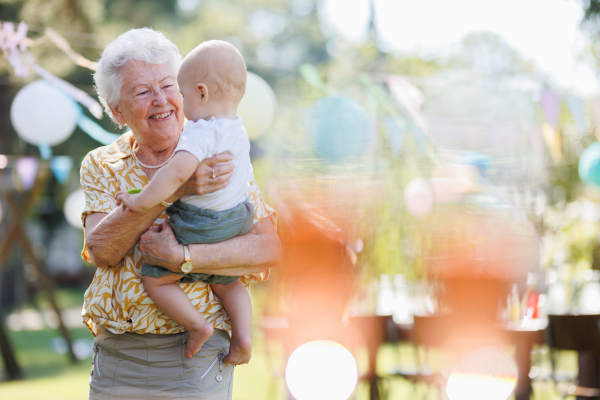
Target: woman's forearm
(109,237)
(253,252)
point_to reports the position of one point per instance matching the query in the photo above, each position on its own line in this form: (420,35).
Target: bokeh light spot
(487,373)
(322,369)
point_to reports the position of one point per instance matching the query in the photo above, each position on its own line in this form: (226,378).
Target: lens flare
(488,373)
(321,370)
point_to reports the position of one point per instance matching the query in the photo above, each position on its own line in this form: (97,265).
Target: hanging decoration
(61,168)
(43,115)
(524,105)
(27,168)
(550,103)
(576,108)
(409,97)
(11,42)
(95,131)
(257,107)
(553,141)
(74,205)
(14,45)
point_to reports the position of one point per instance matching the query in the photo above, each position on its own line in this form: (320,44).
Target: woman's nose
(160,98)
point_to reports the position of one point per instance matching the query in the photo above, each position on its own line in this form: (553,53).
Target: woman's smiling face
(150,103)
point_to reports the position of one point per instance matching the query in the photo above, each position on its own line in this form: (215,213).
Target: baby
(212,81)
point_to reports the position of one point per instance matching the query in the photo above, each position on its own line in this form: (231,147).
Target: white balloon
(73,207)
(257,107)
(42,114)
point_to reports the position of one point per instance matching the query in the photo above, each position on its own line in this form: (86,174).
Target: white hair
(144,44)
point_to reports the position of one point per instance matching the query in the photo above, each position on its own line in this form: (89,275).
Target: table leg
(589,373)
(523,389)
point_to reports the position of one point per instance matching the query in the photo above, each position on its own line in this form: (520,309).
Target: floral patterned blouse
(116,298)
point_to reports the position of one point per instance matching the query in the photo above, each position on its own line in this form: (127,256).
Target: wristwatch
(187,266)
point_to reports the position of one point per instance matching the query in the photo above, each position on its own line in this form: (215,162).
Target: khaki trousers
(150,366)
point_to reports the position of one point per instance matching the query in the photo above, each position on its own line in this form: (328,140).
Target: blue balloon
(341,128)
(589,164)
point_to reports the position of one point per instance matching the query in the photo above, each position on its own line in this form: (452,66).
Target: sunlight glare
(487,373)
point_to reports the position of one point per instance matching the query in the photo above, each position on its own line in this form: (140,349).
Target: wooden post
(8,355)
(16,233)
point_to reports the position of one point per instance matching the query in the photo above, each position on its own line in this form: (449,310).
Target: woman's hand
(159,247)
(202,181)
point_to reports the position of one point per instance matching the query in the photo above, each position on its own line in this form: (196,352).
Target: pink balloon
(418,197)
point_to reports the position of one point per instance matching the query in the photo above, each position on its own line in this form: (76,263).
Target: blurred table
(525,334)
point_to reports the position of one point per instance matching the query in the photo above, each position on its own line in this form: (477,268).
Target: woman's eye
(144,92)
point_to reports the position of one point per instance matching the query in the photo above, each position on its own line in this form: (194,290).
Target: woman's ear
(116,112)
(202,91)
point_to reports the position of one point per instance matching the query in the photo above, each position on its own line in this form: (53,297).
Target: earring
(120,126)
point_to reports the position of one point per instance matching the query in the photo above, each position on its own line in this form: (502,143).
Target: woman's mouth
(162,116)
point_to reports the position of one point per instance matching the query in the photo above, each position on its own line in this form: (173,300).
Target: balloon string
(95,131)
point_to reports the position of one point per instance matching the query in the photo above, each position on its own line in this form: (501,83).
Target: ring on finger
(213,173)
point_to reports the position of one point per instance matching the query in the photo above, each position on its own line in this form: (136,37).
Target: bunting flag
(395,129)
(26,168)
(550,103)
(576,108)
(409,97)
(525,108)
(553,141)
(61,168)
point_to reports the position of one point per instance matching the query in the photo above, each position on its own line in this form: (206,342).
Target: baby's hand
(128,202)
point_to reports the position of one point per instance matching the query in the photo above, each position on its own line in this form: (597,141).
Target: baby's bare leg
(171,300)
(237,303)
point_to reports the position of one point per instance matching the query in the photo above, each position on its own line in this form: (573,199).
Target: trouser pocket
(216,377)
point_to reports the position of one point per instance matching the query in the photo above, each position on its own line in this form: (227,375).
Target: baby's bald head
(220,66)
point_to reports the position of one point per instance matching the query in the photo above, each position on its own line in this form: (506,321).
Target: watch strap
(187,266)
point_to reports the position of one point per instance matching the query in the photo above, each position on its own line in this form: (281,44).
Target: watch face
(187,267)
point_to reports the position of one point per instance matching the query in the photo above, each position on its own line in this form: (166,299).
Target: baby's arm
(163,185)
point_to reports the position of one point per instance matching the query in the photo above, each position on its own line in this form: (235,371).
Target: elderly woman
(138,351)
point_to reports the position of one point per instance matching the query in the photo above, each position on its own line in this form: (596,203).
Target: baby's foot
(197,335)
(240,350)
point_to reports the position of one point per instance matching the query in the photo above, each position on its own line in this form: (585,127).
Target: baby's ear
(202,90)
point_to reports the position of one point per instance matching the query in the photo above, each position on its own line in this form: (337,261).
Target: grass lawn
(50,376)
